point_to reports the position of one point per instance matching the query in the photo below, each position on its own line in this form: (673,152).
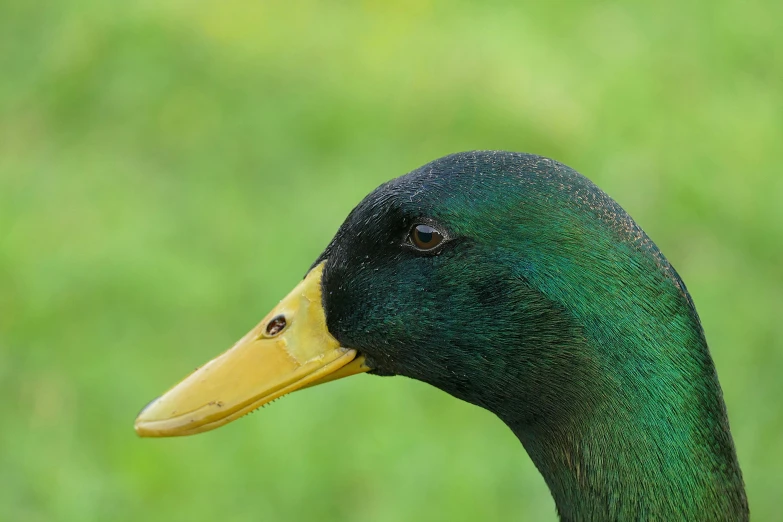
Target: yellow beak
(289,350)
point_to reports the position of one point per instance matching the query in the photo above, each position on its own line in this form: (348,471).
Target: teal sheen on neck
(590,350)
(652,440)
(511,282)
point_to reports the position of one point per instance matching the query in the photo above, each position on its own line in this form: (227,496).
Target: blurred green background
(170,169)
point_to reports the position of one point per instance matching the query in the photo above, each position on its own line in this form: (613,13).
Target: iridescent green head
(512,282)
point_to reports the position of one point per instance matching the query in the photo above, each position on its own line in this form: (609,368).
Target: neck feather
(650,445)
(632,423)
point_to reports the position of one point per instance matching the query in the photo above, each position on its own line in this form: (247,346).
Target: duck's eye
(424,237)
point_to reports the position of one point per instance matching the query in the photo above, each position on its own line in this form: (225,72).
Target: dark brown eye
(424,237)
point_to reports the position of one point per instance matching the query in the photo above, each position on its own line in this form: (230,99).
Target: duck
(512,282)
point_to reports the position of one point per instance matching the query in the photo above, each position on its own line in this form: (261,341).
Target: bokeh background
(169,170)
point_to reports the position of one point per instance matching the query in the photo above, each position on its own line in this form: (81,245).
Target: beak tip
(139,429)
(144,420)
(147,429)
(140,426)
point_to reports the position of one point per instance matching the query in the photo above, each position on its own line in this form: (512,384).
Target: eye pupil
(424,237)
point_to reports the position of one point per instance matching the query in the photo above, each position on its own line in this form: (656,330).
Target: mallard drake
(511,282)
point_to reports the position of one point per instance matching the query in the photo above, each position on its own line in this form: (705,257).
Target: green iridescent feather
(547,305)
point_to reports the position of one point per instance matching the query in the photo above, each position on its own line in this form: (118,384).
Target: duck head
(511,282)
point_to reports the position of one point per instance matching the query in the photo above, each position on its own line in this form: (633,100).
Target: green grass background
(170,169)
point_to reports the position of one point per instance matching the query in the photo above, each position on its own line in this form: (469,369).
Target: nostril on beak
(276,325)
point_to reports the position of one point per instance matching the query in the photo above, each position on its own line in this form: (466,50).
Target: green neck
(552,309)
(636,427)
(645,435)
(639,458)
(616,400)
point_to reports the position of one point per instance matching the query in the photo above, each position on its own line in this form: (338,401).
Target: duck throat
(643,448)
